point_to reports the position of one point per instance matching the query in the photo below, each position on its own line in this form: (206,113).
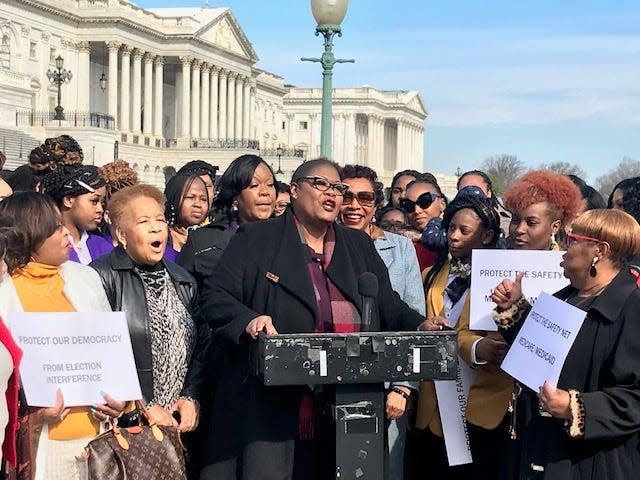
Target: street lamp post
(59,76)
(328,15)
(279,152)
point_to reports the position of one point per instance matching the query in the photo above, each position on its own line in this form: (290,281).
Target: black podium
(357,364)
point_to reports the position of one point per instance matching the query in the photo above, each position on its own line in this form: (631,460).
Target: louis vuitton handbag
(144,451)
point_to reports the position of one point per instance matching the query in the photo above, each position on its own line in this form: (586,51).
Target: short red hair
(545,186)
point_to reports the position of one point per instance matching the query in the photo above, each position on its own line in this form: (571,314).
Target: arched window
(5,51)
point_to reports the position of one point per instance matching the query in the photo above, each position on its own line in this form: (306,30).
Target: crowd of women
(205,266)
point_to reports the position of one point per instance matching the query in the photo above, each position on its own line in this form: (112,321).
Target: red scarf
(10,433)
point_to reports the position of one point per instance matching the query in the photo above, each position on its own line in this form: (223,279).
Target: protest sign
(543,343)
(452,399)
(82,354)
(542,272)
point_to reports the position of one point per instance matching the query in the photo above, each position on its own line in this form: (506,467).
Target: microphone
(368,288)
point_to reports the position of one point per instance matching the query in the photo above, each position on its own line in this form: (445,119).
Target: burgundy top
(9,445)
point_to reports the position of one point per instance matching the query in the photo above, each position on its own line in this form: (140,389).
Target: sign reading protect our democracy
(82,354)
(542,273)
(543,343)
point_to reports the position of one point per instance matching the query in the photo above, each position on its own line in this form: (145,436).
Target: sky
(546,81)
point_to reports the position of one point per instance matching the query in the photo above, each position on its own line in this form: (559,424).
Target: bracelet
(401,392)
(190,399)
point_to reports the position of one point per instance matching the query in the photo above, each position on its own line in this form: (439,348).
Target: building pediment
(416,104)
(225,32)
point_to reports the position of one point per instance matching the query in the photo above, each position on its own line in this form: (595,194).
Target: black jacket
(204,248)
(125,292)
(264,271)
(604,366)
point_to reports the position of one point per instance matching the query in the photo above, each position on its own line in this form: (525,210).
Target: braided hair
(117,175)
(71,181)
(488,217)
(55,152)
(174,191)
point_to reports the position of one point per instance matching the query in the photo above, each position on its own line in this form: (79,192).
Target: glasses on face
(365,199)
(574,237)
(322,184)
(423,201)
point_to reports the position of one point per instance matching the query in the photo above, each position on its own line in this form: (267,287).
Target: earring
(234,206)
(592,271)
(553,244)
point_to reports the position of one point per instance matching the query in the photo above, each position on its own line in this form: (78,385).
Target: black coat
(263,271)
(604,365)
(125,292)
(204,247)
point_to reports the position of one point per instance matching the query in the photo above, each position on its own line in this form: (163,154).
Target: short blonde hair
(619,229)
(119,203)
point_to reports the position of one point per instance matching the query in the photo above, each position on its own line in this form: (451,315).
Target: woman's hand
(110,409)
(259,324)
(555,401)
(508,292)
(53,414)
(160,416)
(188,414)
(396,403)
(434,323)
(491,350)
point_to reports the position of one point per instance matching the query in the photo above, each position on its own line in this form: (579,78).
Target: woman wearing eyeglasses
(295,273)
(424,200)
(589,426)
(359,205)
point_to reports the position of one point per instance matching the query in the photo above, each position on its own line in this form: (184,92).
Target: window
(284,126)
(53,53)
(33,50)
(5,52)
(303,125)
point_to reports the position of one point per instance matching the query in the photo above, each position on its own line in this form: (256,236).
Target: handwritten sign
(81,354)
(452,398)
(543,343)
(542,272)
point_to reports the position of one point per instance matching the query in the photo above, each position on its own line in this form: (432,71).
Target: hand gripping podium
(357,364)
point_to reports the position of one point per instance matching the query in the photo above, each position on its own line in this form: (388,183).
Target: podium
(358,364)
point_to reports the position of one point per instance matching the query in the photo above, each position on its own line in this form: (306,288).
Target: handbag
(150,452)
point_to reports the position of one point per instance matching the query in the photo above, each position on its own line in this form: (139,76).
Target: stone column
(195,99)
(112,81)
(222,120)
(371,142)
(136,101)
(239,111)
(158,96)
(381,148)
(246,113)
(231,105)
(400,142)
(148,94)
(125,104)
(84,78)
(185,127)
(204,101)
(213,115)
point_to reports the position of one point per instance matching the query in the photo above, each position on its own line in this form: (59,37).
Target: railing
(286,152)
(225,143)
(71,119)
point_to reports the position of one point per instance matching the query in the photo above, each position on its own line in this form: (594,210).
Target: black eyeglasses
(322,184)
(365,199)
(423,201)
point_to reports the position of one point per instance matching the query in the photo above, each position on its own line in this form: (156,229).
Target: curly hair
(54,152)
(119,206)
(630,188)
(359,171)
(117,175)
(545,186)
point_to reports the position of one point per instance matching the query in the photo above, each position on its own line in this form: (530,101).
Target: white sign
(543,343)
(542,272)
(81,354)
(452,401)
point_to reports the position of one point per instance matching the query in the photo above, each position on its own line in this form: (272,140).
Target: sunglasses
(423,201)
(322,184)
(365,199)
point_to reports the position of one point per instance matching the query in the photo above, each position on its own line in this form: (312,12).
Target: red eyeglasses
(574,237)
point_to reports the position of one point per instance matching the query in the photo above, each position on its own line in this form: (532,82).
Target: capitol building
(160,87)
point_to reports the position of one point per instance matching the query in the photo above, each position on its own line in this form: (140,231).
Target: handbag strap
(155,430)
